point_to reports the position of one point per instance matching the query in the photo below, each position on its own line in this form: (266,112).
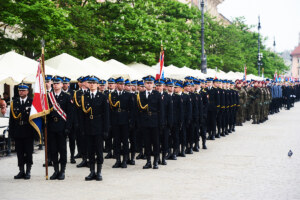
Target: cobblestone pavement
(251,163)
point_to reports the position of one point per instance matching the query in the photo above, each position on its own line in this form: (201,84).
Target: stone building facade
(296,61)
(211,6)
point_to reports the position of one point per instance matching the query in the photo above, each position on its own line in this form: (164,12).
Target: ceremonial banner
(39,107)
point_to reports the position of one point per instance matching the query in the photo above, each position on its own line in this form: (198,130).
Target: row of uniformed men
(169,119)
(258,99)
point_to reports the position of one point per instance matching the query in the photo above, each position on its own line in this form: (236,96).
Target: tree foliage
(132,31)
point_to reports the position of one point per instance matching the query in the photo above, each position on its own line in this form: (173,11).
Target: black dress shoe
(21,174)
(82,164)
(54,175)
(155,165)
(196,149)
(204,146)
(140,156)
(92,175)
(189,151)
(148,165)
(72,160)
(98,175)
(182,154)
(163,161)
(173,157)
(50,164)
(155,162)
(124,164)
(77,156)
(117,164)
(132,162)
(61,175)
(27,174)
(109,155)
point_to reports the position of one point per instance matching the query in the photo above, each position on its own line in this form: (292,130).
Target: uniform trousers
(24,149)
(58,144)
(95,148)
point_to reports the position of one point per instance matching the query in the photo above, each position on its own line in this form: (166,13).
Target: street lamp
(203,56)
(260,55)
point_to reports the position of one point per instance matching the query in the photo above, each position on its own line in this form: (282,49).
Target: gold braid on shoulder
(111,103)
(75,99)
(83,107)
(140,104)
(12,111)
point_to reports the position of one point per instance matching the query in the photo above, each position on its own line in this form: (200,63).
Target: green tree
(32,21)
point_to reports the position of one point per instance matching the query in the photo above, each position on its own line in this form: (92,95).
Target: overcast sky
(279,19)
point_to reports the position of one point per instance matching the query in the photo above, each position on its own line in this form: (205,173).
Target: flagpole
(45,117)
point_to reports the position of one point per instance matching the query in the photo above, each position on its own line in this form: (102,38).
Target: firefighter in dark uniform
(220,115)
(213,106)
(109,140)
(191,128)
(224,108)
(198,94)
(187,109)
(48,83)
(121,109)
(203,124)
(178,118)
(235,97)
(95,123)
(21,131)
(151,104)
(133,128)
(139,133)
(59,124)
(168,119)
(72,134)
(81,138)
(77,108)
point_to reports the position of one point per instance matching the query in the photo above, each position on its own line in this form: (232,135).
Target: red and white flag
(160,71)
(39,107)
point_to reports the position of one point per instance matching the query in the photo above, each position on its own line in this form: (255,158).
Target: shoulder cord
(140,104)
(111,103)
(83,107)
(75,99)
(12,111)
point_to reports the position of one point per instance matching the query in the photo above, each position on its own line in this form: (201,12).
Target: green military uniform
(255,102)
(241,108)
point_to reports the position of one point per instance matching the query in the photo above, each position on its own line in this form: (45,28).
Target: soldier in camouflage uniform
(254,102)
(262,102)
(242,103)
(267,101)
(249,106)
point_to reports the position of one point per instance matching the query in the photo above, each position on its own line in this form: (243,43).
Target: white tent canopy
(16,68)
(68,65)
(119,69)
(142,69)
(98,67)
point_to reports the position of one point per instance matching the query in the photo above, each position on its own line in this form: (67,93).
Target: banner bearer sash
(56,106)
